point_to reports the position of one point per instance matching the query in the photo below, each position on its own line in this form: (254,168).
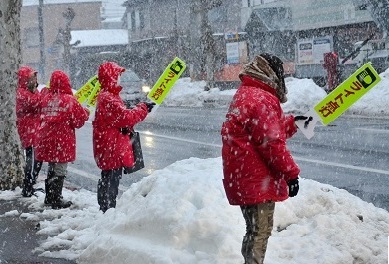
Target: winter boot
(50,198)
(48,190)
(28,189)
(102,192)
(56,186)
(36,170)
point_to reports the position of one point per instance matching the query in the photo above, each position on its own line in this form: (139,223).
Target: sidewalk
(18,237)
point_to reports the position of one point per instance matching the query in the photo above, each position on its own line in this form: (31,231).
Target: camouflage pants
(59,169)
(259,224)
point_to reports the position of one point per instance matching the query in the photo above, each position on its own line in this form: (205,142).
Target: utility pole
(42,60)
(176,31)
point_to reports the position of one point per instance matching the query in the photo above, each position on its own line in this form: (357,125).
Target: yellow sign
(340,99)
(92,99)
(166,81)
(347,93)
(86,90)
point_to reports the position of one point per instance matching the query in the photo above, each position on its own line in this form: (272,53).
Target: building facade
(86,17)
(308,28)
(163,29)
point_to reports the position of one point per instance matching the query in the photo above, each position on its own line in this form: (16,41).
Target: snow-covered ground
(180,214)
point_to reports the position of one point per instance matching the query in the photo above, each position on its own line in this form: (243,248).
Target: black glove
(293,187)
(149,106)
(299,117)
(128,104)
(125,130)
(306,118)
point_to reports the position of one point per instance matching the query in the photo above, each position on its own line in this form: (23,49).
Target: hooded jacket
(27,109)
(112,148)
(61,114)
(256,161)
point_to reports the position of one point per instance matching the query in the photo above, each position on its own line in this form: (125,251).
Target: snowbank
(180,215)
(303,94)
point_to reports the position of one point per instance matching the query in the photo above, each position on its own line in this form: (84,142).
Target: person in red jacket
(61,114)
(28,122)
(257,166)
(113,121)
(331,62)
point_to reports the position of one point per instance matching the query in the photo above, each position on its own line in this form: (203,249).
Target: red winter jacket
(256,161)
(111,148)
(27,109)
(61,115)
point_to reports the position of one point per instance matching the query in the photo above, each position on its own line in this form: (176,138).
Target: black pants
(108,188)
(31,171)
(33,167)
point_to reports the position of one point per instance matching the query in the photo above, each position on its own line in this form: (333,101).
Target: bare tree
(208,48)
(203,34)
(11,155)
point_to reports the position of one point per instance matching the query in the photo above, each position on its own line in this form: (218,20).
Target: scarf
(268,71)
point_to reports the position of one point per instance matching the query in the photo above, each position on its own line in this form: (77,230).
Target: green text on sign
(85,91)
(347,93)
(92,99)
(166,81)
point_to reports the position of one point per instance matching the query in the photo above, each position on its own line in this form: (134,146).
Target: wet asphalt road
(18,238)
(352,153)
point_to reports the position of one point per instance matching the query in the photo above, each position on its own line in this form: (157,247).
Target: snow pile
(186,93)
(192,94)
(180,215)
(303,94)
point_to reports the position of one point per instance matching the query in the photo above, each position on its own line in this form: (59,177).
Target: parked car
(135,89)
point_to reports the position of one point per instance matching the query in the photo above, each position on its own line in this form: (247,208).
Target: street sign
(340,99)
(166,81)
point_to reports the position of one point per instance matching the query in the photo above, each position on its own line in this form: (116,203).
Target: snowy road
(352,154)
